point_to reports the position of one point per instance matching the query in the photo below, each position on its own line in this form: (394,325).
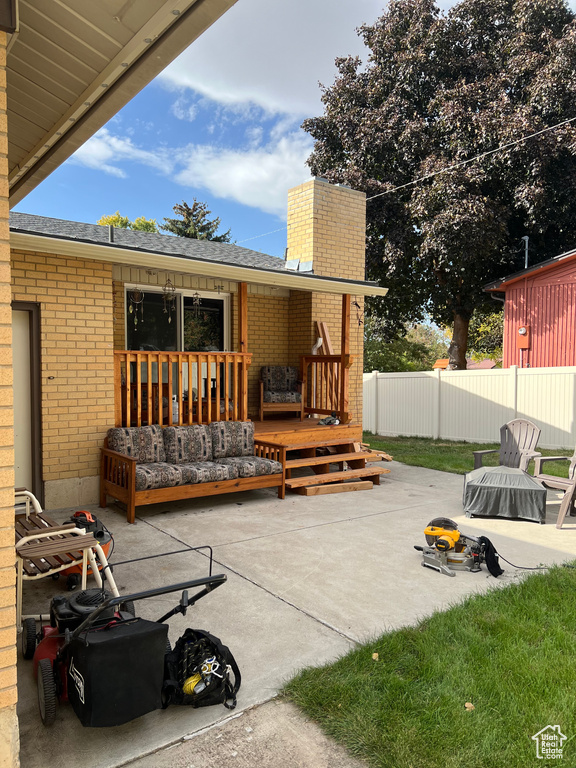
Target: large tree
(438,90)
(139,224)
(486,332)
(194,222)
(417,350)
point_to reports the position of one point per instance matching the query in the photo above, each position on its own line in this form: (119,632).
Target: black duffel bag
(200,671)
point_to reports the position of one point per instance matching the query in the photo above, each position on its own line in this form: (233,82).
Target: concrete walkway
(308,577)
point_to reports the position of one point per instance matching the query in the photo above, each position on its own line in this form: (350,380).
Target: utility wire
(264,235)
(442,170)
(472,159)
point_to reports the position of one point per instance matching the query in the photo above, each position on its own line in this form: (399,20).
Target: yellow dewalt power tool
(444,538)
(449,550)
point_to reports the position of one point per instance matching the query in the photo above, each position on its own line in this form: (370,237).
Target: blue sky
(220,124)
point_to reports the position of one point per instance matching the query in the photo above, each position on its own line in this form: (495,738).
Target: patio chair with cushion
(518,439)
(566,484)
(280,390)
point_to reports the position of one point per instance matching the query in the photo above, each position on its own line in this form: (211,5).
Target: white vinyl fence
(472,405)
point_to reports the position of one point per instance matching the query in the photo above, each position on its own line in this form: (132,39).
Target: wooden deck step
(329,441)
(332,458)
(370,473)
(322,490)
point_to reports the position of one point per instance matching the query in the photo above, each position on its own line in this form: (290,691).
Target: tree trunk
(459,343)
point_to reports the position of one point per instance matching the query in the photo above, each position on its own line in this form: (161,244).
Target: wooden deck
(312,450)
(292,432)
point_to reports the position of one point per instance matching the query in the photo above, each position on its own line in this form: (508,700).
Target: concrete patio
(308,577)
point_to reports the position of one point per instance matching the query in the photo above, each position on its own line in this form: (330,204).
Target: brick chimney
(327,228)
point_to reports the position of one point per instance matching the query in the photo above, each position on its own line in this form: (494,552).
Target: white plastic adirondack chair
(518,439)
(566,484)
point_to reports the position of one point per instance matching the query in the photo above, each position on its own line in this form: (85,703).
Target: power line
(442,170)
(472,159)
(264,235)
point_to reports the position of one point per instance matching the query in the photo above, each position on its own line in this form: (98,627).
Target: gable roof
(543,266)
(167,252)
(146,241)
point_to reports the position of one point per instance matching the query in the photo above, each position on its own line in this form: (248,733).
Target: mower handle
(208,582)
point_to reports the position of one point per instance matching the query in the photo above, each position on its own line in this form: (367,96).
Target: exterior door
(27,407)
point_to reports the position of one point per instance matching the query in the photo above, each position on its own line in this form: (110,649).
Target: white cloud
(259,176)
(272,54)
(107,152)
(184,109)
(254,135)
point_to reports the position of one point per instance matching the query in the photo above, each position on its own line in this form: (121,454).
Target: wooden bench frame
(118,479)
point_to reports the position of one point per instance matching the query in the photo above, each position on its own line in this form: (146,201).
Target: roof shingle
(207,250)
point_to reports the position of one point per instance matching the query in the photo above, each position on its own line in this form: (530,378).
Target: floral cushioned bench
(146,465)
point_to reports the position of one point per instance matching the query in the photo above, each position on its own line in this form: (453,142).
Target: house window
(203,325)
(147,326)
(195,326)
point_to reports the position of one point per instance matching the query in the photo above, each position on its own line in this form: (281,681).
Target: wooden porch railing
(175,388)
(325,383)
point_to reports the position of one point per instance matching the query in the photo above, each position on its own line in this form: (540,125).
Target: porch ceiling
(72,65)
(22,241)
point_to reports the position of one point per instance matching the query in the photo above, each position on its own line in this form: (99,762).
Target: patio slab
(246,516)
(307,578)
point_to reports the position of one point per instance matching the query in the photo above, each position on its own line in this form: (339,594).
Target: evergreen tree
(194,222)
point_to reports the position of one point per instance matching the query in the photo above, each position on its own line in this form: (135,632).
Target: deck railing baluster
(325,389)
(144,380)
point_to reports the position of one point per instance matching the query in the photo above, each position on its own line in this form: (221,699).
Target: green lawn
(511,653)
(451,456)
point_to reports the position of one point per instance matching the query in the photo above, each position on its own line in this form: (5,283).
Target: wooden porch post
(242,317)
(118,392)
(243,346)
(345,360)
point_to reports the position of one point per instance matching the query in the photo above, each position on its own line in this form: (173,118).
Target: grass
(511,653)
(451,456)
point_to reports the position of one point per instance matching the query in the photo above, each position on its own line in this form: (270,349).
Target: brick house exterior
(81,306)
(75,299)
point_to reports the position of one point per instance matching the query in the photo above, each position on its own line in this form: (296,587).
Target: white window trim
(181,293)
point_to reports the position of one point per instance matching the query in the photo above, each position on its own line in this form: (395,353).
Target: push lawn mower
(449,550)
(98,655)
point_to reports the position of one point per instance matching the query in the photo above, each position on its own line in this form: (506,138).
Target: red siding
(547,303)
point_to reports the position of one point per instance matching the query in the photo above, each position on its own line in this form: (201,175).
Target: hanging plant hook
(136,299)
(169,295)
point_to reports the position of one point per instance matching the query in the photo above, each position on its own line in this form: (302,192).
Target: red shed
(540,314)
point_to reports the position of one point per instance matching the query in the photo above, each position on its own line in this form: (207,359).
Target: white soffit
(73,64)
